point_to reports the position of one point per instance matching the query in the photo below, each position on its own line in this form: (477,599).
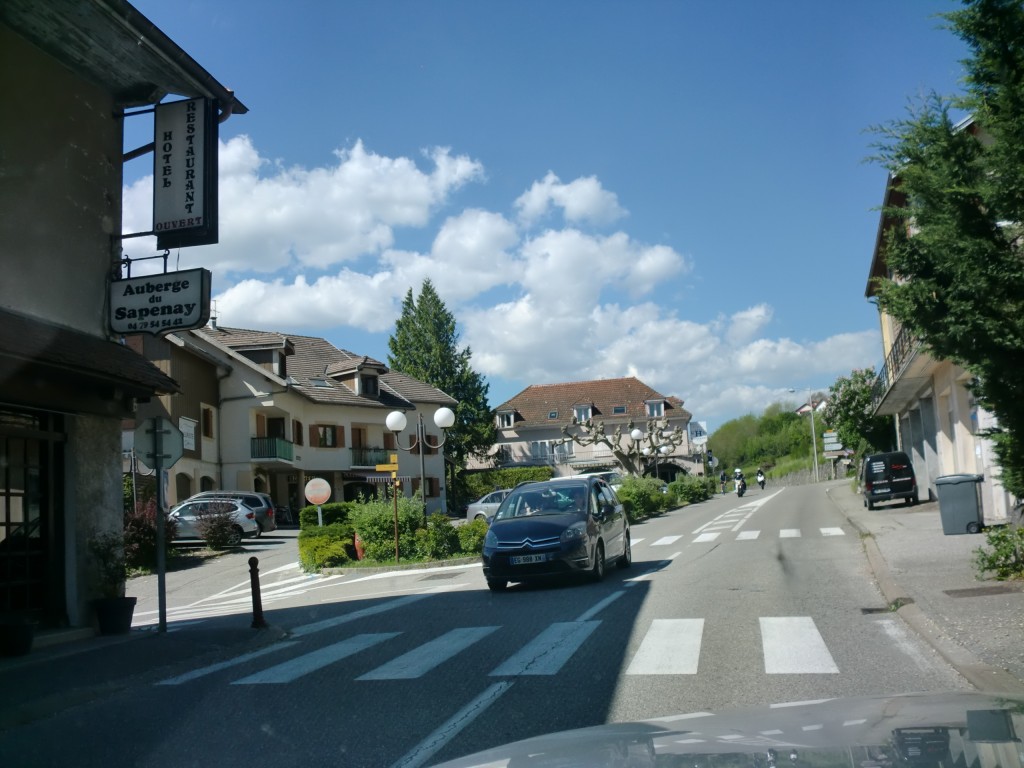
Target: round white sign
(318,491)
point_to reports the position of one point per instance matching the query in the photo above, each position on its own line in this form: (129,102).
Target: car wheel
(627,554)
(236,536)
(597,572)
(480,517)
(497,585)
(870,504)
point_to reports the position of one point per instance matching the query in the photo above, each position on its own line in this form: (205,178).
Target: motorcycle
(741,487)
(760,480)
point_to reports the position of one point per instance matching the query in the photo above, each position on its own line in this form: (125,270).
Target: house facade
(269,411)
(530,427)
(68,70)
(938,422)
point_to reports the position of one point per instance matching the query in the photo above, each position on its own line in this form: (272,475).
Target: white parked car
(187,515)
(485,507)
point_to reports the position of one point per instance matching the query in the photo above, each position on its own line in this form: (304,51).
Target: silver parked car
(485,507)
(187,516)
(260,503)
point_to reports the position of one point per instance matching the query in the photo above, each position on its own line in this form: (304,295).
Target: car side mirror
(607,510)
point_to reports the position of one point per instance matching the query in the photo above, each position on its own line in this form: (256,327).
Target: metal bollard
(257,603)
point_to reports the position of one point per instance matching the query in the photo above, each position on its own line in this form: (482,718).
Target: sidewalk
(976,625)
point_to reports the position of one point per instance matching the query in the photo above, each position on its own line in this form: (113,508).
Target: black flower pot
(114,614)
(16,633)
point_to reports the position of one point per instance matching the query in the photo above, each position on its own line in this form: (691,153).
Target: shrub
(374,521)
(326,547)
(140,535)
(442,541)
(471,537)
(1006,556)
(335,512)
(691,490)
(216,524)
(641,497)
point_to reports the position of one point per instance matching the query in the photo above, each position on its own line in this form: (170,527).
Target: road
(731,603)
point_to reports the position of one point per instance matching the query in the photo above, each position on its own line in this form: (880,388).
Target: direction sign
(172,442)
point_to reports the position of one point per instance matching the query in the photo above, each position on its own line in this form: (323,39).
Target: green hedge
(691,490)
(335,512)
(479,484)
(326,547)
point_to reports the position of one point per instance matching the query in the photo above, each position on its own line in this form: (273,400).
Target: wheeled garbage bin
(960,503)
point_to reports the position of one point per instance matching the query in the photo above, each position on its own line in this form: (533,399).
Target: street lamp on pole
(396,421)
(814,436)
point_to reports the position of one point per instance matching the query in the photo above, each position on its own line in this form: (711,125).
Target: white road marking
(310,662)
(806,703)
(243,659)
(747,535)
(793,646)
(319,626)
(670,647)
(633,541)
(427,748)
(664,541)
(704,538)
(546,653)
(789,533)
(419,661)
(596,609)
(833,532)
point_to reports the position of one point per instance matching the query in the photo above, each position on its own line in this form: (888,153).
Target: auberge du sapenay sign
(159,304)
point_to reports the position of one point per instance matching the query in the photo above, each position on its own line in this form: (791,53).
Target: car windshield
(549,500)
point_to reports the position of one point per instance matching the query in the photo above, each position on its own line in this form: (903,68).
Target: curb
(982,676)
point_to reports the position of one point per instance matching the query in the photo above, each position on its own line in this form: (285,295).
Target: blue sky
(673,190)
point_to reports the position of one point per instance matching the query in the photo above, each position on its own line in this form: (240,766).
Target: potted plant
(114,611)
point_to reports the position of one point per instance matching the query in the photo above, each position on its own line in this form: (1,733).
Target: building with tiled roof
(268,411)
(530,425)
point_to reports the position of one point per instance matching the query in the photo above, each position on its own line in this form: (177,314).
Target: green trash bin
(960,503)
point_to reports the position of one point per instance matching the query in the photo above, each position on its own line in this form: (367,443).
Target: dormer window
(319,382)
(655,408)
(618,410)
(505,420)
(552,414)
(368,386)
(582,412)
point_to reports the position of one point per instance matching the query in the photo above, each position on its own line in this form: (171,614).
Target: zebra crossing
(671,646)
(708,536)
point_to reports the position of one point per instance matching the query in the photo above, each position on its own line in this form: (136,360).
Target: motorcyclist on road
(760,478)
(739,480)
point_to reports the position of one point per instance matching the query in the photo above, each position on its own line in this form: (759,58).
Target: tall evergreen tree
(425,345)
(956,258)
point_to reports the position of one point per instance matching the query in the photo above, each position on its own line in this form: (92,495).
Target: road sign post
(392,467)
(161,444)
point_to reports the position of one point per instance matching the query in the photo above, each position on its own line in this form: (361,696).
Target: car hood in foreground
(968,730)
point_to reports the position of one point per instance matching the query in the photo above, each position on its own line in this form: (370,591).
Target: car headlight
(574,534)
(490,540)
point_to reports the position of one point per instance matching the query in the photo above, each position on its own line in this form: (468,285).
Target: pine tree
(956,256)
(425,345)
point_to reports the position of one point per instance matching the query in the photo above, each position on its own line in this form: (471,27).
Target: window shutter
(314,436)
(261,425)
(339,432)
(297,431)
(389,441)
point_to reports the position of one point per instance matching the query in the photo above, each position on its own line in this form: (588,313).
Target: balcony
(272,449)
(907,371)
(371,457)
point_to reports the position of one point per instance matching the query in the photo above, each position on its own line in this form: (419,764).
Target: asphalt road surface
(731,603)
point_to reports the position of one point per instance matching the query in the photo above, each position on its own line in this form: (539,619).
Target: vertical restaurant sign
(160,304)
(185,173)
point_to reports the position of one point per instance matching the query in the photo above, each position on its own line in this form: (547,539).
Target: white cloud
(744,325)
(273,217)
(582,201)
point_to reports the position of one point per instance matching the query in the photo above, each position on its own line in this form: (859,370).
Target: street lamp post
(814,436)
(396,421)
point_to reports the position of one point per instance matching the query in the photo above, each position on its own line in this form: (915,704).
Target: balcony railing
(370,457)
(271,448)
(903,347)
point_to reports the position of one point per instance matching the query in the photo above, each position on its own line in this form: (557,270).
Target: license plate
(880,490)
(527,559)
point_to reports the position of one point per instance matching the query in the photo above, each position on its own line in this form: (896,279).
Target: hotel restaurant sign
(184,214)
(185,173)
